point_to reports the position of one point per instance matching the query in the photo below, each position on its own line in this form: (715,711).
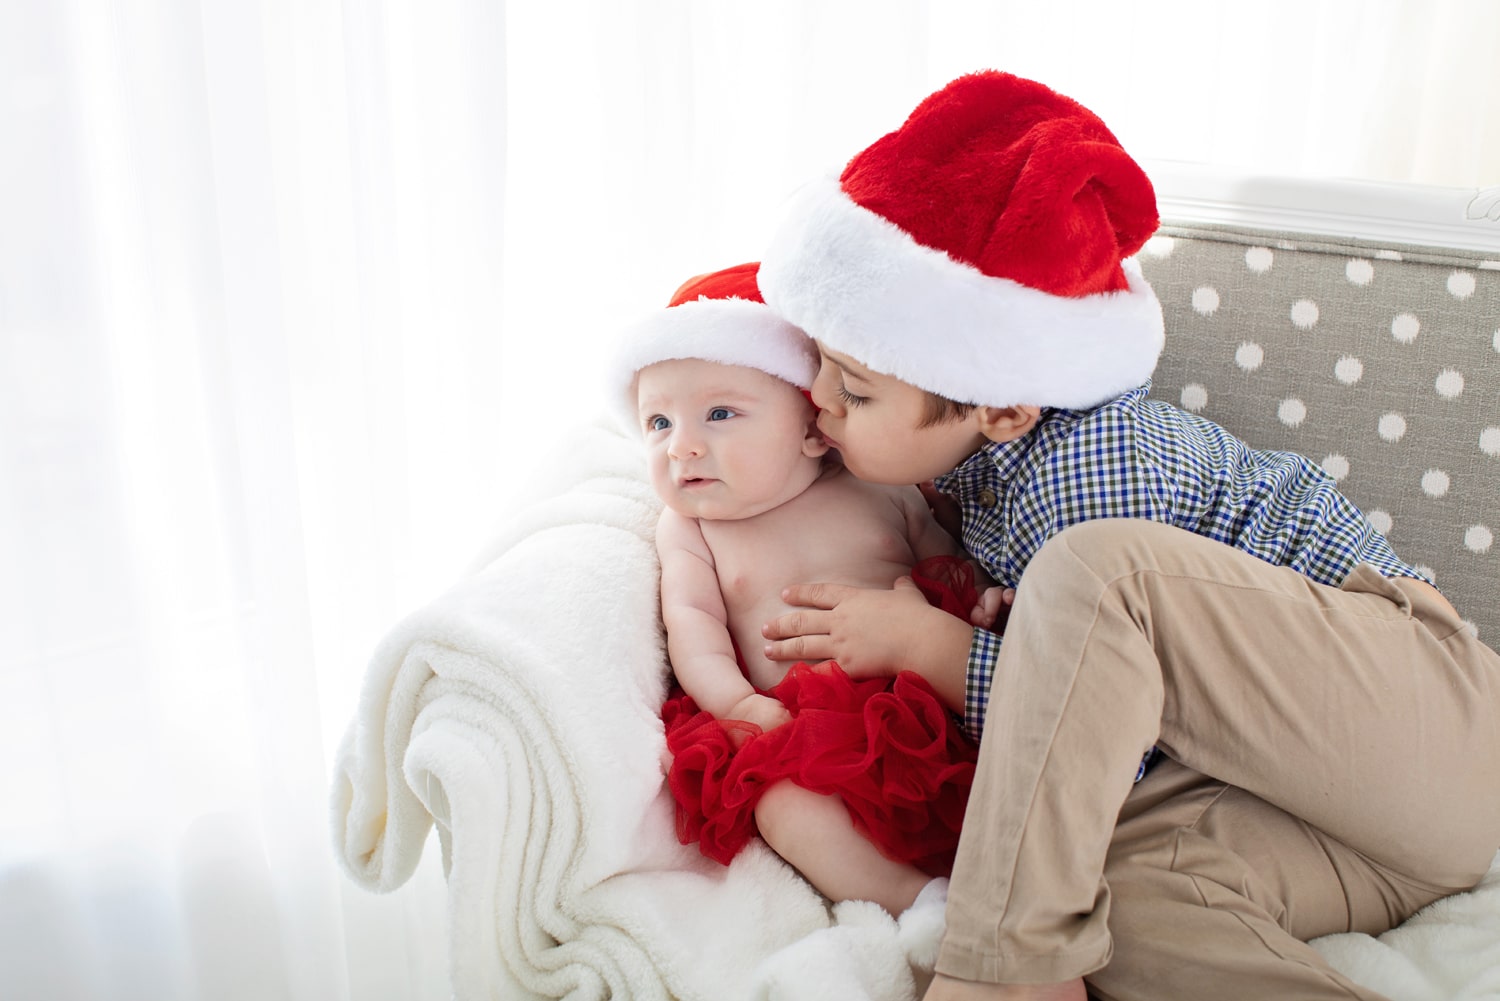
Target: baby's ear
(1006,423)
(813,445)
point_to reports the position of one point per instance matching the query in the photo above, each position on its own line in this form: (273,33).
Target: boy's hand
(873,633)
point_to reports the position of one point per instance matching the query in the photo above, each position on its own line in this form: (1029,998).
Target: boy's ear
(1006,423)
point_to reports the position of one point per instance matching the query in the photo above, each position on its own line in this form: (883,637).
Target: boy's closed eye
(845,374)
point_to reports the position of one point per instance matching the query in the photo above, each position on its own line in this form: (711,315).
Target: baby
(859,785)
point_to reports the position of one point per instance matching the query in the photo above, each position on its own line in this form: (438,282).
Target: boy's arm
(873,633)
(698,641)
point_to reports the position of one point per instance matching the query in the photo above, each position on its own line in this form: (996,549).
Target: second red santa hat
(718,317)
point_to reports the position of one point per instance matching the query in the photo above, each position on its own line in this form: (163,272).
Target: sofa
(1380,362)
(518,720)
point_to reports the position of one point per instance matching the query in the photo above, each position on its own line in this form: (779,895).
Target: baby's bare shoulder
(841,489)
(839,478)
(867,517)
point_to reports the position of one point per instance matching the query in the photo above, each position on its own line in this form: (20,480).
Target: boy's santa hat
(718,317)
(981,252)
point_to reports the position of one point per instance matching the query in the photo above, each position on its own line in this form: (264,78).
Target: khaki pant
(1335,765)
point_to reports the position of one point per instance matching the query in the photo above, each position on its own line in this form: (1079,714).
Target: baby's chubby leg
(888,917)
(815,834)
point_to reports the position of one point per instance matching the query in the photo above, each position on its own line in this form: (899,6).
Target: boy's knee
(1094,548)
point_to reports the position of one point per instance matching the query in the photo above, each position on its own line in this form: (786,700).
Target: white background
(294,293)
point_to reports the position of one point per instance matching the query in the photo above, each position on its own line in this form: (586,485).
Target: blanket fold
(519,713)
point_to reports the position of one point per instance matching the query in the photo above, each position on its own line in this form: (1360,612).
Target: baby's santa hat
(718,317)
(982,252)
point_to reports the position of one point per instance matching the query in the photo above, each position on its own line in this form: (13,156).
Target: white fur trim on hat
(727,331)
(863,287)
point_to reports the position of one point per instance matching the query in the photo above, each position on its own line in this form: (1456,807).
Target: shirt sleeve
(984,651)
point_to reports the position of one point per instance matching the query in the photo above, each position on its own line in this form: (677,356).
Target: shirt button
(987,497)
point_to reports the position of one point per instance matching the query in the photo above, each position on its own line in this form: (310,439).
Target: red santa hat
(982,251)
(718,317)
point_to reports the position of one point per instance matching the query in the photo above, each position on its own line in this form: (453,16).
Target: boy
(859,786)
(1330,755)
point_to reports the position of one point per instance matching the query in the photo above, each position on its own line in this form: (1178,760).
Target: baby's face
(725,441)
(874,420)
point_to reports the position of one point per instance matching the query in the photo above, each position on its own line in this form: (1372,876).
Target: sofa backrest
(1379,362)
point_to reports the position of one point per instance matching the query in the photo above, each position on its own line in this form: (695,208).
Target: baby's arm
(698,641)
(929,538)
(926,536)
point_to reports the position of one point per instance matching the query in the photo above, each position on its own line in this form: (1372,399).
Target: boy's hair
(941,410)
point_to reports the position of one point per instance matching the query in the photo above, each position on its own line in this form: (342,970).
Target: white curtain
(294,293)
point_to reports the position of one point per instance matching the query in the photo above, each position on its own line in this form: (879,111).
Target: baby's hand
(762,710)
(993,608)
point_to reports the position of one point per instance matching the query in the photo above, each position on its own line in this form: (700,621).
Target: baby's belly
(751,643)
(746,621)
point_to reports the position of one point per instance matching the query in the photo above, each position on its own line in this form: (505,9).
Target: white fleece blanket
(518,712)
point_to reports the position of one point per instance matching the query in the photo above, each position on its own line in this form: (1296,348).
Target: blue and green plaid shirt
(1139,458)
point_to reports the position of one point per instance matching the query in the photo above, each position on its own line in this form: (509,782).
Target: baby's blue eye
(720,414)
(658,423)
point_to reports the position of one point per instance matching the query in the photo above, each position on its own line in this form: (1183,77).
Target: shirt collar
(998,461)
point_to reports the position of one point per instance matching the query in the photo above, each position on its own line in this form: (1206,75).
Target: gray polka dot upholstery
(1379,362)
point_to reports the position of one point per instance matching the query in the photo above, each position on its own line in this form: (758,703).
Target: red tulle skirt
(886,746)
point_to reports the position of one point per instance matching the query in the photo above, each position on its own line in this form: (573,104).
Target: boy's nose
(823,396)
